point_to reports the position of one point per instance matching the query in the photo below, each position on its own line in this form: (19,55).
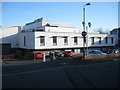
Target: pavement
(15,62)
(19,62)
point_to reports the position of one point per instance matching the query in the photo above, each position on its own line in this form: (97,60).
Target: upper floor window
(92,38)
(75,41)
(112,40)
(24,41)
(42,40)
(106,40)
(65,40)
(54,40)
(99,40)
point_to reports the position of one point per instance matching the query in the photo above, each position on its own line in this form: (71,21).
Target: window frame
(42,40)
(112,40)
(99,40)
(24,40)
(92,40)
(75,40)
(54,40)
(106,40)
(65,40)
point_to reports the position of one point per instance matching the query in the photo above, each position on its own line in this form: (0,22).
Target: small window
(99,40)
(112,40)
(92,38)
(42,40)
(54,40)
(65,40)
(106,40)
(75,41)
(24,41)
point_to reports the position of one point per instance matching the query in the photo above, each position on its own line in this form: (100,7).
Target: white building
(116,32)
(9,38)
(44,35)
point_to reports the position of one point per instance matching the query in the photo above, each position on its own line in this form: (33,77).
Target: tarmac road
(62,74)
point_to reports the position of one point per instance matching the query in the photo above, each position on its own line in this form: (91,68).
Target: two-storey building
(42,35)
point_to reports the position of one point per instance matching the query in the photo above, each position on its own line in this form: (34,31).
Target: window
(65,40)
(75,40)
(112,40)
(42,40)
(54,40)
(99,40)
(24,41)
(106,40)
(92,42)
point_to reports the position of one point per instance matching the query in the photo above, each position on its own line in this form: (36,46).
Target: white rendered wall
(96,40)
(62,29)
(30,40)
(60,40)
(33,38)
(10,36)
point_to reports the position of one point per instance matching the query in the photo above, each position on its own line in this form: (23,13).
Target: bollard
(54,56)
(44,59)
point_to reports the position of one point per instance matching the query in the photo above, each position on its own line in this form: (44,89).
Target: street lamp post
(84,35)
(87,40)
(89,25)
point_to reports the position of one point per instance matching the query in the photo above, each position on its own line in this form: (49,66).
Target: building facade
(44,35)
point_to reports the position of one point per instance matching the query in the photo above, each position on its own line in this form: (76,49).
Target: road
(62,74)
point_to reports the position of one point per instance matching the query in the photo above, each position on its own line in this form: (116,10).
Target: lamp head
(88,4)
(89,24)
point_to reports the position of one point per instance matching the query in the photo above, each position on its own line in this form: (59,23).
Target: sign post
(84,41)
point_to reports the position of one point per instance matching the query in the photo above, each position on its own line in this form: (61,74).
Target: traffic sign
(84,33)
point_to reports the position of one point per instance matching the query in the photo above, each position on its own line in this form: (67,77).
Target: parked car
(69,53)
(39,56)
(96,52)
(59,54)
(116,51)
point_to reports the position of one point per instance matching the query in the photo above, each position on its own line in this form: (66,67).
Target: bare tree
(100,30)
